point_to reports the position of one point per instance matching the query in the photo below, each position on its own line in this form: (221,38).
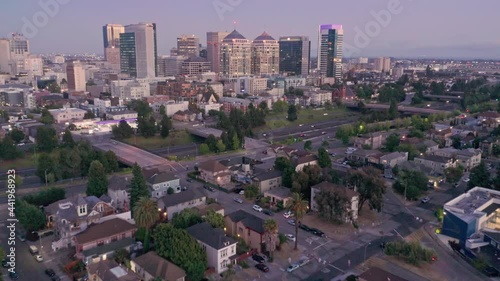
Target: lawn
(28,161)
(175,138)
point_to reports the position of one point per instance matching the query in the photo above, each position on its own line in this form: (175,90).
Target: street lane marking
(336,267)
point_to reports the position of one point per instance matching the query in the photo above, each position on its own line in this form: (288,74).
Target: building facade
(235,56)
(188,46)
(75,74)
(330,43)
(214,41)
(138,51)
(295,55)
(265,55)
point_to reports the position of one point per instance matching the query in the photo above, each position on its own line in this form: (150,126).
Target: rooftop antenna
(234,24)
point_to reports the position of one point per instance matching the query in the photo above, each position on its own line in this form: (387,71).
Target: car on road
(292,267)
(50,272)
(300,125)
(13,275)
(237,190)
(258,258)
(303,261)
(312,126)
(287,214)
(268,212)
(333,154)
(264,152)
(189,180)
(264,135)
(257,208)
(38,258)
(291,222)
(466,180)
(305,227)
(317,232)
(323,133)
(33,250)
(262,267)
(426,199)
(303,135)
(242,192)
(290,237)
(209,188)
(239,200)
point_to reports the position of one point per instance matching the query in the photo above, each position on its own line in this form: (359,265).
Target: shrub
(411,252)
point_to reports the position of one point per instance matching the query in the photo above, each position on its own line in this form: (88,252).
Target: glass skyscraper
(330,43)
(294,55)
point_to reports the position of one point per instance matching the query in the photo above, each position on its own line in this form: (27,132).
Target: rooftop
(212,166)
(327,185)
(253,222)
(109,270)
(264,36)
(435,158)
(213,237)
(281,192)
(161,177)
(234,35)
(377,274)
(158,266)
(104,230)
(471,205)
(181,197)
(269,175)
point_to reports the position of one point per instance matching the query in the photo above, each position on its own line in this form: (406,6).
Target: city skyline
(408,33)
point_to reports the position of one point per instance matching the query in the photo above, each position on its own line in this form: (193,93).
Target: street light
(365,252)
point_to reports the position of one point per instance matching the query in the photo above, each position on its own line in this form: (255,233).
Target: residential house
(204,209)
(101,240)
(220,248)
(351,208)
(303,161)
(486,146)
(110,270)
(184,116)
(467,158)
(377,274)
(214,172)
(150,266)
(393,159)
(430,146)
(229,104)
(279,196)
(437,163)
(372,141)
(175,203)
(160,183)
(118,191)
(67,114)
(268,180)
(441,136)
(489,119)
(120,115)
(361,155)
(73,215)
(246,226)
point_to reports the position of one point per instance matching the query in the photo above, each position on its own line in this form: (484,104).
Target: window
(100,243)
(223,253)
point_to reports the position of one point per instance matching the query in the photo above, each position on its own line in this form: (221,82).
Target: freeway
(408,109)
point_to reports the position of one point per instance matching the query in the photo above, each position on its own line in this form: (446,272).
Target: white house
(175,203)
(351,208)
(220,248)
(118,192)
(160,183)
(67,114)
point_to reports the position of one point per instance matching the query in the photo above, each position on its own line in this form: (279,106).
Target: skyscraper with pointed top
(265,55)
(235,56)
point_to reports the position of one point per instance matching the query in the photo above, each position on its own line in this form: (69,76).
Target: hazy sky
(444,28)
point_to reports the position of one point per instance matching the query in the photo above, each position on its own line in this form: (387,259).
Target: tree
(146,126)
(138,187)
(453,175)
(479,176)
(97,184)
(299,207)
(221,147)
(280,106)
(204,149)
(67,139)
(270,235)
(411,183)
(288,174)
(162,110)
(182,249)
(46,138)
(308,145)
(122,131)
(393,110)
(236,142)
(186,218)
(53,87)
(46,196)
(46,118)
(215,219)
(31,217)
(292,113)
(370,187)
(332,204)
(211,141)
(392,142)
(166,125)
(410,148)
(122,256)
(281,163)
(8,150)
(17,135)
(145,216)
(89,115)
(324,160)
(251,191)
(344,132)
(111,161)
(44,167)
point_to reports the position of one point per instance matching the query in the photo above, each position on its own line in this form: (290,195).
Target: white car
(290,237)
(39,258)
(287,214)
(242,192)
(466,180)
(292,267)
(291,222)
(257,208)
(236,199)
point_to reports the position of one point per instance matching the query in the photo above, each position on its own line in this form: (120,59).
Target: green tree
(46,196)
(292,113)
(53,87)
(393,110)
(112,161)
(67,139)
(344,132)
(17,135)
(204,149)
(97,184)
(166,125)
(215,219)
(162,110)
(89,115)
(308,145)
(46,118)
(211,141)
(145,216)
(370,186)
(288,174)
(281,163)
(236,142)
(46,138)
(453,175)
(122,256)
(280,106)
(31,217)
(138,187)
(45,166)
(182,249)
(411,183)
(146,126)
(332,204)
(251,191)
(410,148)
(186,218)
(324,160)
(221,147)
(270,236)
(392,142)
(298,206)
(8,150)
(479,176)
(122,131)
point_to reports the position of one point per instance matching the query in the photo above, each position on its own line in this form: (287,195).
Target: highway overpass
(401,108)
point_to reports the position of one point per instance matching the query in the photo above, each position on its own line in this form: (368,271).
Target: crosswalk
(371,262)
(416,236)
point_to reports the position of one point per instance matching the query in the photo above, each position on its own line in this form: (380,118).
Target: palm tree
(299,207)
(271,235)
(145,216)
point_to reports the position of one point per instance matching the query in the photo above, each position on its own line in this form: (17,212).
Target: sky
(397,28)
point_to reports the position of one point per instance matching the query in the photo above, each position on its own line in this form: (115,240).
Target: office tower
(19,53)
(235,55)
(170,65)
(195,66)
(265,55)
(138,53)
(330,41)
(214,40)
(295,54)
(111,37)
(5,56)
(75,76)
(382,64)
(188,46)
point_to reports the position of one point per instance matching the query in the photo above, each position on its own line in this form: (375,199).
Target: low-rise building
(214,172)
(437,163)
(268,180)
(110,270)
(279,196)
(430,146)
(184,116)
(491,118)
(175,203)
(120,115)
(393,159)
(372,141)
(67,114)
(351,208)
(150,266)
(246,226)
(160,183)
(220,248)
(467,158)
(118,191)
(304,161)
(203,210)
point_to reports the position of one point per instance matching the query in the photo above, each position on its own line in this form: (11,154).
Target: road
(401,108)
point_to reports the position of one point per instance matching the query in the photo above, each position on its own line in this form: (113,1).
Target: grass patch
(175,138)
(27,161)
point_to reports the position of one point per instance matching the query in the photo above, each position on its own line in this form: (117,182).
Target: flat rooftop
(468,203)
(205,132)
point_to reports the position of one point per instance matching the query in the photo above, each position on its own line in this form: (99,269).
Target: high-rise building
(214,40)
(330,42)
(75,73)
(138,52)
(111,36)
(195,66)
(170,65)
(235,55)
(19,53)
(5,56)
(188,46)
(382,64)
(295,54)
(265,55)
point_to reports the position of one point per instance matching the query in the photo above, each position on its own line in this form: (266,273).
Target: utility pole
(46,181)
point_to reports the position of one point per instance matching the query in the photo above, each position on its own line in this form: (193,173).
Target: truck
(33,250)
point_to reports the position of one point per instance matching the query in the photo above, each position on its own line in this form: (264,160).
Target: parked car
(291,222)
(262,267)
(209,188)
(184,188)
(237,190)
(317,232)
(258,258)
(323,133)
(38,258)
(466,180)
(257,208)
(33,250)
(290,237)
(239,200)
(303,135)
(303,261)
(268,212)
(305,227)
(50,272)
(242,192)
(287,214)
(426,199)
(292,267)
(189,180)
